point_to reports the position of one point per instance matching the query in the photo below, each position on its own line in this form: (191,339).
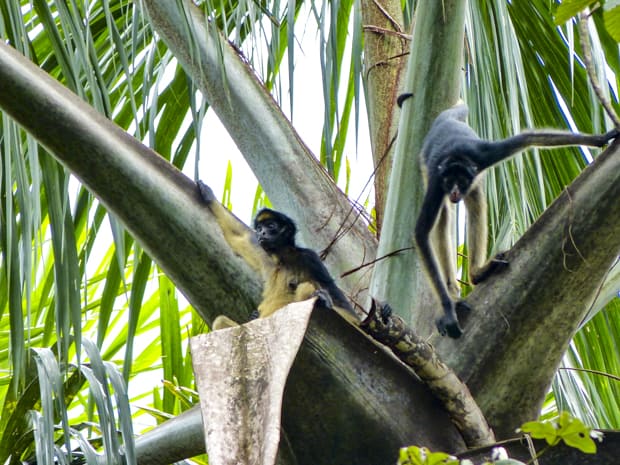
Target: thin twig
(385,13)
(594,372)
(586,49)
(372,262)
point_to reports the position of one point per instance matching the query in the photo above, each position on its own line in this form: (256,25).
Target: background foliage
(69,273)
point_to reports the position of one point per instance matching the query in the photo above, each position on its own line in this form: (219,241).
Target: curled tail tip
(402,97)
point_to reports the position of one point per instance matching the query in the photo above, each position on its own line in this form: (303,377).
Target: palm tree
(137,73)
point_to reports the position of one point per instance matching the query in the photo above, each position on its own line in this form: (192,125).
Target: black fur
(275,233)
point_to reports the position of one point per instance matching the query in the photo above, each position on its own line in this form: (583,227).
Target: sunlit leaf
(569,8)
(611,14)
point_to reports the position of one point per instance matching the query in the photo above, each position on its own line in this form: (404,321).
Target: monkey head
(457,176)
(274,230)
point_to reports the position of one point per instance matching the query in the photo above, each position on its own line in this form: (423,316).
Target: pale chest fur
(282,286)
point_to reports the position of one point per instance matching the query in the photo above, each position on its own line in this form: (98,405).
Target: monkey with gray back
(454,159)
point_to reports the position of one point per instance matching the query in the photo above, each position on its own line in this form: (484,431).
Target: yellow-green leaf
(569,8)
(611,16)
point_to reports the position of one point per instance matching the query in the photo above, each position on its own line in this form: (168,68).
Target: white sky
(308,122)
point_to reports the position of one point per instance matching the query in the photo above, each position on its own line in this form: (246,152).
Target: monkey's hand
(254,315)
(449,325)
(206,192)
(495,265)
(449,322)
(323,298)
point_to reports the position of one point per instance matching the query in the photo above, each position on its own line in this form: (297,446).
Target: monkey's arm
(494,152)
(433,202)
(309,289)
(318,273)
(239,237)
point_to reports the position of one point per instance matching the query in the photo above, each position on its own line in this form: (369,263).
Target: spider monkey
(454,160)
(290,273)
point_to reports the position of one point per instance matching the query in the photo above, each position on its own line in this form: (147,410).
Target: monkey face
(274,230)
(456,179)
(269,234)
(456,185)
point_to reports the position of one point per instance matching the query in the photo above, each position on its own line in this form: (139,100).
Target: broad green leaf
(612,20)
(542,430)
(569,8)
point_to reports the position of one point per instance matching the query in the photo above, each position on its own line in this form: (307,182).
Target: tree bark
(241,373)
(159,205)
(342,386)
(386,48)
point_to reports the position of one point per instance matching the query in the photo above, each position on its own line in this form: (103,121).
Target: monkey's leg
(477,229)
(222,322)
(500,150)
(494,265)
(308,289)
(444,245)
(305,290)
(477,236)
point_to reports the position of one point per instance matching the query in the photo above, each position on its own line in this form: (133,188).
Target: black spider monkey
(290,273)
(454,160)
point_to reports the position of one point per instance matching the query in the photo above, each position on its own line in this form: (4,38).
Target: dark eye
(464,184)
(448,184)
(267,226)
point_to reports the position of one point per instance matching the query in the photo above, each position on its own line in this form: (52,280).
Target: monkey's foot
(450,326)
(449,322)
(495,265)
(254,315)
(205,192)
(323,298)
